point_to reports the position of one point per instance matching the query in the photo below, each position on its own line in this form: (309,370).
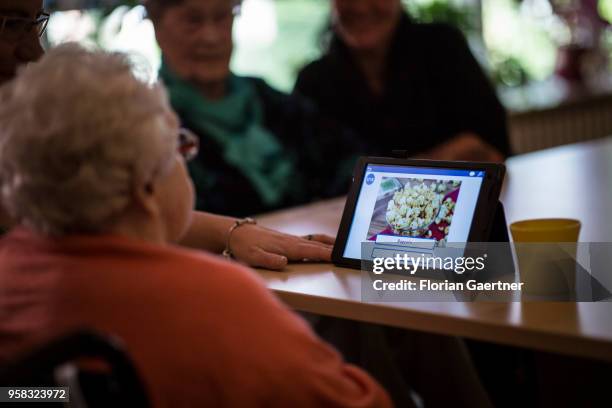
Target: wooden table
(570,181)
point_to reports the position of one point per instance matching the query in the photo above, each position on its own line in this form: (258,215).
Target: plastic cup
(546,254)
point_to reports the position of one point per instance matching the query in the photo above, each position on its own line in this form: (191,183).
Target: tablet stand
(499,229)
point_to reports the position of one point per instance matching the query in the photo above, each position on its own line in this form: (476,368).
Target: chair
(56,364)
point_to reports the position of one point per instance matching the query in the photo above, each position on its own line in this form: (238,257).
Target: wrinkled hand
(465,147)
(265,248)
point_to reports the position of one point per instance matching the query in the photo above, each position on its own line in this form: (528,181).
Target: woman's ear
(149,188)
(145,198)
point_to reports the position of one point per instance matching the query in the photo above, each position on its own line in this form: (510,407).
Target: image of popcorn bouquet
(420,208)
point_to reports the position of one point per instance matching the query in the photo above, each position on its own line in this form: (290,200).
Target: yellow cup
(546,252)
(546,230)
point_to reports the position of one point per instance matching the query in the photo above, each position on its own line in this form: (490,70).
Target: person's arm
(470,103)
(330,137)
(307,84)
(464,147)
(255,245)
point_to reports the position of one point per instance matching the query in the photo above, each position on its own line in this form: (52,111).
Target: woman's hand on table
(262,247)
(253,244)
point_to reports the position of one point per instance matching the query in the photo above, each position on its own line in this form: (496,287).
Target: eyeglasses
(188,144)
(15,28)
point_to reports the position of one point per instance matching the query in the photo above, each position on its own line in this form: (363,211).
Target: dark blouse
(434,89)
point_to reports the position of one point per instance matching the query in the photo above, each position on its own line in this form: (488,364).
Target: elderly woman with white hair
(93,176)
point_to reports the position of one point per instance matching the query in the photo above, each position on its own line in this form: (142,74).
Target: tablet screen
(401,207)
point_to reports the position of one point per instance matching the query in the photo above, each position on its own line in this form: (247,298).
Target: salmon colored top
(202,331)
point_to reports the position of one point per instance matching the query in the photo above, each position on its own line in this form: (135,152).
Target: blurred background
(551,60)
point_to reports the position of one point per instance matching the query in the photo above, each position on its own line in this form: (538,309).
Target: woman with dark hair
(405,86)
(261,149)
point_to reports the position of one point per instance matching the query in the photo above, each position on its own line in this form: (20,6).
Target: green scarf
(235,123)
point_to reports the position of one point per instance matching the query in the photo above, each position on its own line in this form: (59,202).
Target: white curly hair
(79,132)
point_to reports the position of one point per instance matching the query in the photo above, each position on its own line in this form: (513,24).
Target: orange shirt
(201,331)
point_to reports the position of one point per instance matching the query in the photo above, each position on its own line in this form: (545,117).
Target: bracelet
(227,252)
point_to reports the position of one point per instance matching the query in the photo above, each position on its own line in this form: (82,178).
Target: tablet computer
(399,205)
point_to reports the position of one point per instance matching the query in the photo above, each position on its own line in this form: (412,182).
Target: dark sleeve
(471,99)
(323,150)
(306,83)
(328,150)
(337,145)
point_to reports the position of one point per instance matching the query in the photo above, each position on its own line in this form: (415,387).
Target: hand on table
(262,247)
(465,147)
